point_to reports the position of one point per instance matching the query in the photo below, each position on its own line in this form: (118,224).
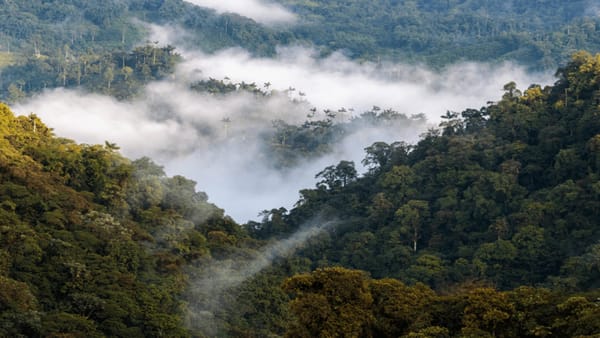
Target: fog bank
(218,140)
(262,11)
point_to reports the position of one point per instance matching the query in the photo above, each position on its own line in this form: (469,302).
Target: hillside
(49,44)
(487,226)
(93,244)
(506,194)
(540,34)
(503,198)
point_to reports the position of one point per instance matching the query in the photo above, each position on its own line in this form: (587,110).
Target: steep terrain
(49,44)
(485,227)
(93,244)
(505,197)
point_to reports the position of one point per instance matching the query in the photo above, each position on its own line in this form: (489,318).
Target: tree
(335,177)
(398,182)
(451,124)
(377,156)
(497,258)
(533,251)
(18,309)
(534,311)
(400,309)
(330,302)
(487,313)
(429,269)
(577,317)
(474,120)
(511,91)
(15,93)
(109,75)
(412,217)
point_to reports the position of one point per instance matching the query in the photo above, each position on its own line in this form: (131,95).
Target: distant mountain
(61,35)
(507,194)
(541,34)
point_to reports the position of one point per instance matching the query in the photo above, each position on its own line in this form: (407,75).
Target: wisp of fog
(207,297)
(262,11)
(185,130)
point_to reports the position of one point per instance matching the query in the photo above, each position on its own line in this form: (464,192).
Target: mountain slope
(47,44)
(507,194)
(93,244)
(540,34)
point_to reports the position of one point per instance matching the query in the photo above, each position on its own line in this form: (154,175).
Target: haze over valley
(184,130)
(299,168)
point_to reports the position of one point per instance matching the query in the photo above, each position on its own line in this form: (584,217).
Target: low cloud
(207,297)
(262,11)
(93,119)
(592,8)
(186,131)
(337,81)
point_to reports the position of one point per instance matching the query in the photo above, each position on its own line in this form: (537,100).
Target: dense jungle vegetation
(486,227)
(47,44)
(541,34)
(501,198)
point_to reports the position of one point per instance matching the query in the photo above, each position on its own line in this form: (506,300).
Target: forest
(48,44)
(443,32)
(487,226)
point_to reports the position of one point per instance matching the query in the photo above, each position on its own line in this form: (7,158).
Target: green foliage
(506,194)
(18,308)
(92,244)
(287,144)
(120,74)
(81,43)
(389,308)
(442,32)
(323,309)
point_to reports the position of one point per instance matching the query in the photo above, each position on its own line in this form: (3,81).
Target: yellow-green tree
(330,302)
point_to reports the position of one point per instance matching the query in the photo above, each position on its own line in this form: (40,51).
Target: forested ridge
(94,244)
(48,44)
(506,193)
(500,198)
(541,34)
(486,226)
